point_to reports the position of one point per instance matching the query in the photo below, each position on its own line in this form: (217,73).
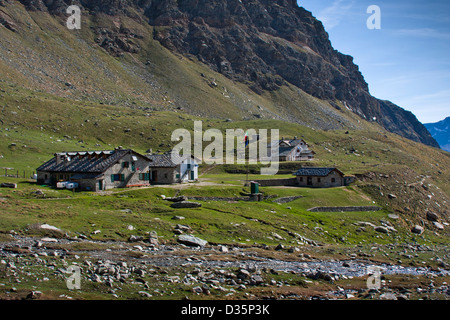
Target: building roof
(167,160)
(317,172)
(84,161)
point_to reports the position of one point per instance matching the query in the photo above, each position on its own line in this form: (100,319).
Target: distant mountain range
(440,131)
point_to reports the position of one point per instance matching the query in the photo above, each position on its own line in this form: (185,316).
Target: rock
(9,185)
(256,280)
(96,278)
(381,229)
(176,199)
(388,296)
(319,275)
(186,204)
(223,249)
(145,294)
(183,228)
(197,290)
(192,241)
(346,265)
(417,229)
(431,216)
(46,239)
(134,238)
(243,274)
(279,247)
(34,295)
(178,218)
(140,272)
(438,225)
(153,238)
(277,236)
(392,196)
(48,227)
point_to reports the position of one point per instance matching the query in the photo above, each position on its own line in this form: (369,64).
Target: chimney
(59,158)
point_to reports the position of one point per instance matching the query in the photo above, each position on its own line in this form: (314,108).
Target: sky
(407,60)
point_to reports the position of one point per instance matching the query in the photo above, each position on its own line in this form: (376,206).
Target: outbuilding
(319,177)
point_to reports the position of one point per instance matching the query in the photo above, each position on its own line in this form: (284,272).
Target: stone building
(294,150)
(96,170)
(119,168)
(320,177)
(170,168)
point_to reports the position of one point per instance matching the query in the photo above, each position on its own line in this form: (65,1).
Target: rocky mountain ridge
(264,44)
(441,132)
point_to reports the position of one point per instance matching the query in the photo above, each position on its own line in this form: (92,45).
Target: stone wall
(277,182)
(344,209)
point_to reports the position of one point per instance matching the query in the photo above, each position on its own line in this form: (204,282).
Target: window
(301,179)
(318,180)
(125,164)
(117,177)
(144,176)
(333,180)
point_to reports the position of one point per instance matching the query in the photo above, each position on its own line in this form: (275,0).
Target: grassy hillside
(60,90)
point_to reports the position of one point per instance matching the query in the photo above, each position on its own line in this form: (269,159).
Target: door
(309,181)
(192,175)
(154,176)
(100,185)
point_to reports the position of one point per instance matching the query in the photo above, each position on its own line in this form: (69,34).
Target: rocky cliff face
(263,43)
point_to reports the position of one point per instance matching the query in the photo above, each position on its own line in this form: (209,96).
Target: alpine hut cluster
(119,168)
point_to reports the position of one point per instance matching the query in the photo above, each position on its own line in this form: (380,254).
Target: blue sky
(407,61)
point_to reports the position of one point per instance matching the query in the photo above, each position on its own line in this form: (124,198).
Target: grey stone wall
(344,209)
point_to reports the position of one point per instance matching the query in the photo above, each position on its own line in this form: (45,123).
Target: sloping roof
(296,142)
(317,172)
(285,151)
(167,160)
(84,162)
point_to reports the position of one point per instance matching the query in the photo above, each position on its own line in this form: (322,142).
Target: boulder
(256,280)
(243,274)
(431,216)
(134,238)
(192,241)
(417,229)
(223,249)
(186,204)
(9,185)
(381,229)
(153,238)
(438,225)
(176,199)
(183,228)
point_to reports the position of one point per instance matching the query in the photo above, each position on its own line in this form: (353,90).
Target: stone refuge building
(320,177)
(170,168)
(294,150)
(119,168)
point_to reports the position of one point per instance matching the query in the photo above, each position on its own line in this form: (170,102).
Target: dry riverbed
(39,268)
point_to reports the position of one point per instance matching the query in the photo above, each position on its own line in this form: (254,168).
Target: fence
(13,173)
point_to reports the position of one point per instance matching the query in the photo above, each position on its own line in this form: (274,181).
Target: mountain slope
(275,48)
(441,132)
